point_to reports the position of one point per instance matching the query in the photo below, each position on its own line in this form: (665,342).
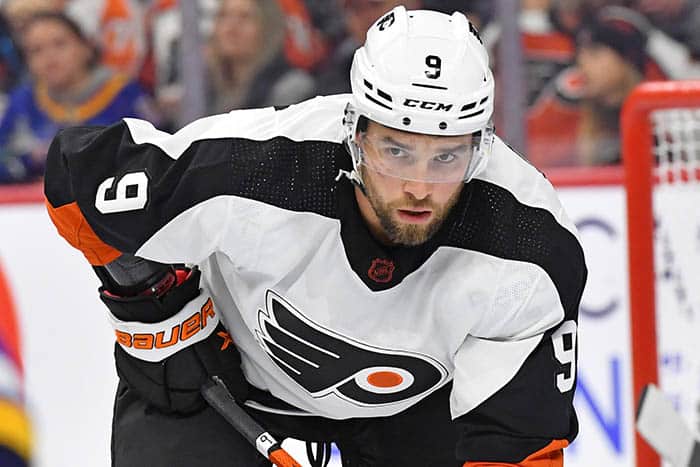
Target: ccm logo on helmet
(427,105)
(180,332)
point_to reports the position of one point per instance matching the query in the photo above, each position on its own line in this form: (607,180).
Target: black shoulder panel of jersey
(58,187)
(530,411)
(289,174)
(489,219)
(298,176)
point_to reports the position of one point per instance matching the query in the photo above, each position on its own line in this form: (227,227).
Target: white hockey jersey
(328,320)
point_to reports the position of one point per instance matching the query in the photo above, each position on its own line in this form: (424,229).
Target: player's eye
(395,152)
(445,158)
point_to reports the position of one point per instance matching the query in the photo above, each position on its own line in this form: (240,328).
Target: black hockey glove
(169,339)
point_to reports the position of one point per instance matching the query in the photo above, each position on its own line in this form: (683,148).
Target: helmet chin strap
(353,175)
(350,123)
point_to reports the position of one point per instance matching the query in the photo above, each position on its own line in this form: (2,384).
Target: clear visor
(446,162)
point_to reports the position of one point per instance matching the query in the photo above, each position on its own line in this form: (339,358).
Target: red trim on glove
(168,282)
(182,275)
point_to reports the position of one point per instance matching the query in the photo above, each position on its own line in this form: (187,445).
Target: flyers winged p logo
(324,362)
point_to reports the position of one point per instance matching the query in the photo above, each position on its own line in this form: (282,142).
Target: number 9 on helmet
(423,72)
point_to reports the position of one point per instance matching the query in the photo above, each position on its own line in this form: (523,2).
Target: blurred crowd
(92,62)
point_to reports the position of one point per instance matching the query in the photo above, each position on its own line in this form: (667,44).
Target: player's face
(401,211)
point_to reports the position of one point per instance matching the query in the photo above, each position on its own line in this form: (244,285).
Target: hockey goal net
(661,155)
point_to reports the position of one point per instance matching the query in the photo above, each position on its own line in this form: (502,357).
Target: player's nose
(418,189)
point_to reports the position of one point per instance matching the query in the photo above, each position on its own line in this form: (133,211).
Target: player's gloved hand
(169,338)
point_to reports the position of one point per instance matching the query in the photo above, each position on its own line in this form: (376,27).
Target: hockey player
(394,277)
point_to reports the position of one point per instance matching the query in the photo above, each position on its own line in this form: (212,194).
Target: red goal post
(660,125)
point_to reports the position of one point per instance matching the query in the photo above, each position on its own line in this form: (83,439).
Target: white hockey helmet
(424,72)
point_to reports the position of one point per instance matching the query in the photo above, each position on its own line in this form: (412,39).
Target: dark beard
(407,234)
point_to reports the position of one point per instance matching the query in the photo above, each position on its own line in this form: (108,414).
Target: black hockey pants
(422,436)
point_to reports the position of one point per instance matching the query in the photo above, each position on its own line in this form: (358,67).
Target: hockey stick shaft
(221,400)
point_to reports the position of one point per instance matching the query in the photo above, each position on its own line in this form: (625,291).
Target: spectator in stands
(670,27)
(576,120)
(11,63)
(546,49)
(359,16)
(547,31)
(553,121)
(567,15)
(116,25)
(245,59)
(612,59)
(305,43)
(67,87)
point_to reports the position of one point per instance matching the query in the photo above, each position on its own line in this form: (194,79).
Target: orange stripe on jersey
(72,226)
(551,455)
